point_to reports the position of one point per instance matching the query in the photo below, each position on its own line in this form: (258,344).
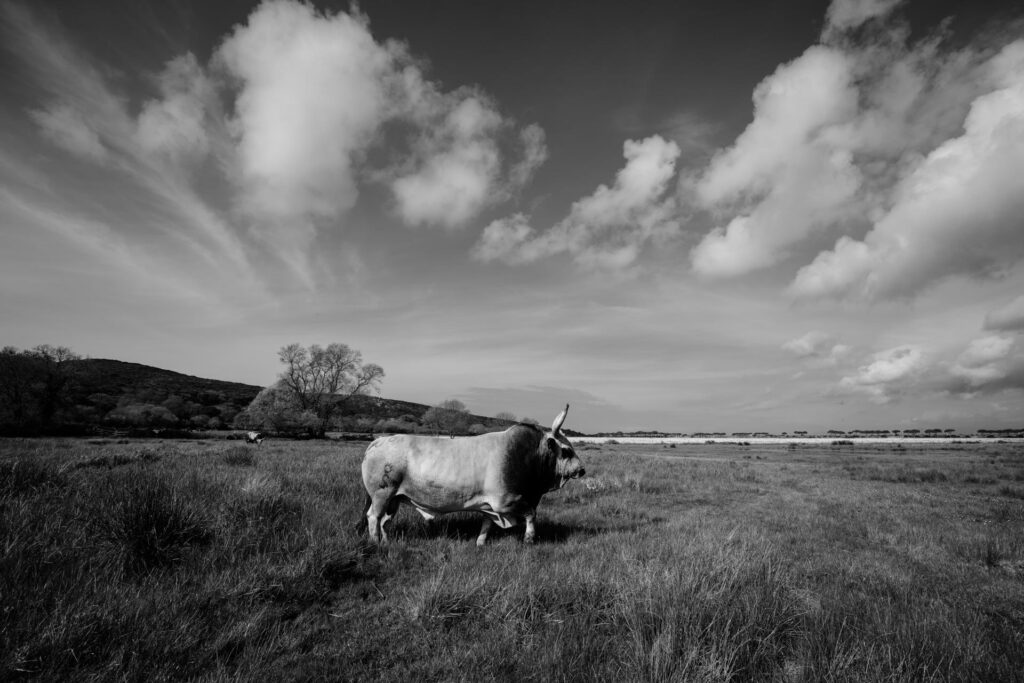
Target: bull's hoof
(529,540)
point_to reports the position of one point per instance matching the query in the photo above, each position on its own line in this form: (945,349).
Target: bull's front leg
(531,533)
(481,538)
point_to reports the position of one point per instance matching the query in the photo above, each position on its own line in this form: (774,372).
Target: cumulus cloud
(318,96)
(981,363)
(909,156)
(607,229)
(67,128)
(790,107)
(889,374)
(457,166)
(818,348)
(310,98)
(1008,317)
(989,365)
(764,177)
(958,212)
(510,240)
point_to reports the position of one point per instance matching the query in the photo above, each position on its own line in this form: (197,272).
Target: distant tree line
(35,385)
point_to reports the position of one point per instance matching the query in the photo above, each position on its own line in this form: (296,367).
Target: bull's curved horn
(557,424)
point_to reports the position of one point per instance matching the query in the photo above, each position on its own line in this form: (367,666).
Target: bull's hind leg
(481,538)
(382,506)
(390,510)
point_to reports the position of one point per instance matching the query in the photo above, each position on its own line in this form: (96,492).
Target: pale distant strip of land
(813,440)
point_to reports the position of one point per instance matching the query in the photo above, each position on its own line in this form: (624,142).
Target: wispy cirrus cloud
(68,129)
(86,117)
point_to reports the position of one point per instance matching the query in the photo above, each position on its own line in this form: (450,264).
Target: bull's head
(567,464)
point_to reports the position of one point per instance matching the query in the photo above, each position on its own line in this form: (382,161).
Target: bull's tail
(363,524)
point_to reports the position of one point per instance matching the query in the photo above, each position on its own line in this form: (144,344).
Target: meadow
(210,560)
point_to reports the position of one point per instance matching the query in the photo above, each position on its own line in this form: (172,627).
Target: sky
(680,216)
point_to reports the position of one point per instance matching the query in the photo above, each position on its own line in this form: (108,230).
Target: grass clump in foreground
(147,522)
(698,565)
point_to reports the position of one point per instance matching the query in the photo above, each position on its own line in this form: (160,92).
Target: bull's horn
(557,425)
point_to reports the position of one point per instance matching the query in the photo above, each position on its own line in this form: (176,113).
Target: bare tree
(323,380)
(449,416)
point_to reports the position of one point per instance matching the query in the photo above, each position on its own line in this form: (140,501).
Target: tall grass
(209,562)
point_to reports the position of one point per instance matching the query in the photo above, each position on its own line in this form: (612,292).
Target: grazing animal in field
(254,437)
(502,474)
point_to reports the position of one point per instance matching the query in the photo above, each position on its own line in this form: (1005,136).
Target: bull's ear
(553,447)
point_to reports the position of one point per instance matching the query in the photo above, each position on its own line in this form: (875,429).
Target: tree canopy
(321,380)
(449,416)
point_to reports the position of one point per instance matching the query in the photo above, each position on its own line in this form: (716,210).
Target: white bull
(502,474)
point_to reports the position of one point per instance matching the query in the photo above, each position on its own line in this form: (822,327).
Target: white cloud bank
(988,365)
(907,157)
(910,156)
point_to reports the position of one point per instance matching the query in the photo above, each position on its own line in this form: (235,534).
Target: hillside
(112,393)
(154,385)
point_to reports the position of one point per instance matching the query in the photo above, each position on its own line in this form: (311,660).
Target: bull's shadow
(464,526)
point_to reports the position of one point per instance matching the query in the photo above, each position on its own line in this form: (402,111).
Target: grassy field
(211,560)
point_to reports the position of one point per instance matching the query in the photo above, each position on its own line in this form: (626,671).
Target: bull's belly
(503,510)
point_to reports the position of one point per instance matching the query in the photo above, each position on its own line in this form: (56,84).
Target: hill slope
(117,391)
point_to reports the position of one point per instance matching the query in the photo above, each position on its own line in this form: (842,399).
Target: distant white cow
(503,475)
(254,437)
